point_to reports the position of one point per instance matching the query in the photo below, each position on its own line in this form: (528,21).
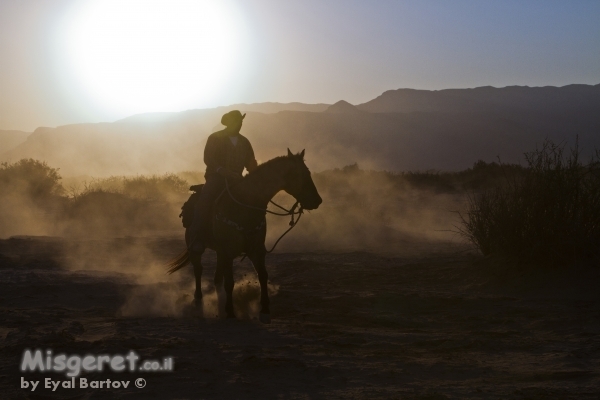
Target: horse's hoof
(265,318)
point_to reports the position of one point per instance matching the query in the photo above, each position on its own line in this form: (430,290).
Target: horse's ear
(289,153)
(302,154)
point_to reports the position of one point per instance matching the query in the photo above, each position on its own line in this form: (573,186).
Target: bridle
(291,212)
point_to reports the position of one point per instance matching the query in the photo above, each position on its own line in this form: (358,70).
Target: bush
(167,187)
(547,214)
(98,213)
(30,192)
(126,205)
(31,178)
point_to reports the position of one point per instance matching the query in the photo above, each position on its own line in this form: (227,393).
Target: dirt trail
(429,321)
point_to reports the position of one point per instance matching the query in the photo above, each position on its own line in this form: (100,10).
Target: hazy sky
(65,61)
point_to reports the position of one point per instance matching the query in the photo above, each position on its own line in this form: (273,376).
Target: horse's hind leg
(196,259)
(258,260)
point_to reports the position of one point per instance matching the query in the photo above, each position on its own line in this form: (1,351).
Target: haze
(301,51)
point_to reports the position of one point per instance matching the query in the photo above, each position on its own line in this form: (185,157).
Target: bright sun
(153,55)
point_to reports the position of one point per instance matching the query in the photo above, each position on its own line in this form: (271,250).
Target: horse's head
(299,183)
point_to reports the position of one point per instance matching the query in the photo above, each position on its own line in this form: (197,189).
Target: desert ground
(416,319)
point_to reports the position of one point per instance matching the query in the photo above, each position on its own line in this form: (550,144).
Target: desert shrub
(164,187)
(126,205)
(339,180)
(167,187)
(98,212)
(30,193)
(482,175)
(547,214)
(192,177)
(112,184)
(433,180)
(30,177)
(485,175)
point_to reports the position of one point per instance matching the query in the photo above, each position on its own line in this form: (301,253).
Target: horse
(239,224)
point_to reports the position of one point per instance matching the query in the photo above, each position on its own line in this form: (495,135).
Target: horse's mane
(265,165)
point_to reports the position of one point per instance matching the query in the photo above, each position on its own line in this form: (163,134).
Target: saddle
(188,208)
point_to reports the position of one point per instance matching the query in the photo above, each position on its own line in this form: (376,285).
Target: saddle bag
(189,207)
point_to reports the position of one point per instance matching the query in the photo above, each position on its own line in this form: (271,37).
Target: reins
(291,212)
(287,212)
(292,224)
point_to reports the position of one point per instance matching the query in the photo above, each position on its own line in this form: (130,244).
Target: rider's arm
(251,164)
(211,154)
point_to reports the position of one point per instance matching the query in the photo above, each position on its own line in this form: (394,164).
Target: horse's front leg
(258,260)
(225,265)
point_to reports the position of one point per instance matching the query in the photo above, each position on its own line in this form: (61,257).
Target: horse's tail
(181,261)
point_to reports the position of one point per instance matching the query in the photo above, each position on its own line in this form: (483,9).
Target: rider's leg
(202,216)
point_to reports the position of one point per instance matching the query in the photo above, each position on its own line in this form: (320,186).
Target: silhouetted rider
(226,155)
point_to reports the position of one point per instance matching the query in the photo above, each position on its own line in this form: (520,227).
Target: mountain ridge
(342,106)
(408,130)
(484,97)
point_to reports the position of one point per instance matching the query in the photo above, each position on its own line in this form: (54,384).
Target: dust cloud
(129,226)
(369,211)
(173,298)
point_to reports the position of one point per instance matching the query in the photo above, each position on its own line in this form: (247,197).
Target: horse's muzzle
(311,204)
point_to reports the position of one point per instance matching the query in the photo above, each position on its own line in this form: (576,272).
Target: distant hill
(265,108)
(271,108)
(488,99)
(342,106)
(11,139)
(400,130)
